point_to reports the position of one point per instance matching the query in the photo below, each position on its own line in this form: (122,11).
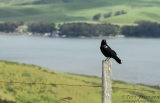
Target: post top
(107,62)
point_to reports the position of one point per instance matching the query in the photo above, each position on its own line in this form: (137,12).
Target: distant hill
(123,12)
(29,2)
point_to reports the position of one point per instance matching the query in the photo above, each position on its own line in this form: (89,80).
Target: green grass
(40,93)
(81,11)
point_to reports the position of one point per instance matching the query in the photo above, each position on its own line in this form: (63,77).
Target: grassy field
(43,93)
(60,12)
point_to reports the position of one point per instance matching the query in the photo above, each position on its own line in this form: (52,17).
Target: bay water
(140,56)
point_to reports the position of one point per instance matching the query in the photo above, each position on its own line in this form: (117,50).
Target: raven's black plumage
(108,52)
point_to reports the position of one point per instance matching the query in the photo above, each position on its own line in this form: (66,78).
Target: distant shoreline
(94,37)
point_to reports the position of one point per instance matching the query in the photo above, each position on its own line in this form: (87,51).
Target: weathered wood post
(106,81)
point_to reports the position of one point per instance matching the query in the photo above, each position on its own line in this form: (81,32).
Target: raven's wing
(114,52)
(110,51)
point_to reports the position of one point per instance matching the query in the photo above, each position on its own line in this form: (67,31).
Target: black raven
(108,52)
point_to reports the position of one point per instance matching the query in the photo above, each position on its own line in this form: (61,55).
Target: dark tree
(41,27)
(144,29)
(107,15)
(123,12)
(9,26)
(88,30)
(117,13)
(96,17)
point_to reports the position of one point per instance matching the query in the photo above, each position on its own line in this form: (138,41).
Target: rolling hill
(60,11)
(23,83)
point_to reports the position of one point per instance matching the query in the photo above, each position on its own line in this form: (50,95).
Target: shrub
(107,15)
(97,16)
(117,13)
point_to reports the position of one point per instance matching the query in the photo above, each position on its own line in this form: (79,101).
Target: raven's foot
(107,58)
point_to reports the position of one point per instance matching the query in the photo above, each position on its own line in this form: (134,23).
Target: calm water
(140,57)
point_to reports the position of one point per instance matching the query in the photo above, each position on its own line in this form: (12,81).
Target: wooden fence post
(106,81)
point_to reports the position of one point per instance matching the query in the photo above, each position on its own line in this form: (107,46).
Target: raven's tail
(117,59)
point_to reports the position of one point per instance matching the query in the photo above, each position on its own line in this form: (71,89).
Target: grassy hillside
(44,93)
(58,11)
(27,2)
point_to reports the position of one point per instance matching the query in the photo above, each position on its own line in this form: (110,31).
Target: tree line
(10,26)
(88,30)
(41,27)
(142,29)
